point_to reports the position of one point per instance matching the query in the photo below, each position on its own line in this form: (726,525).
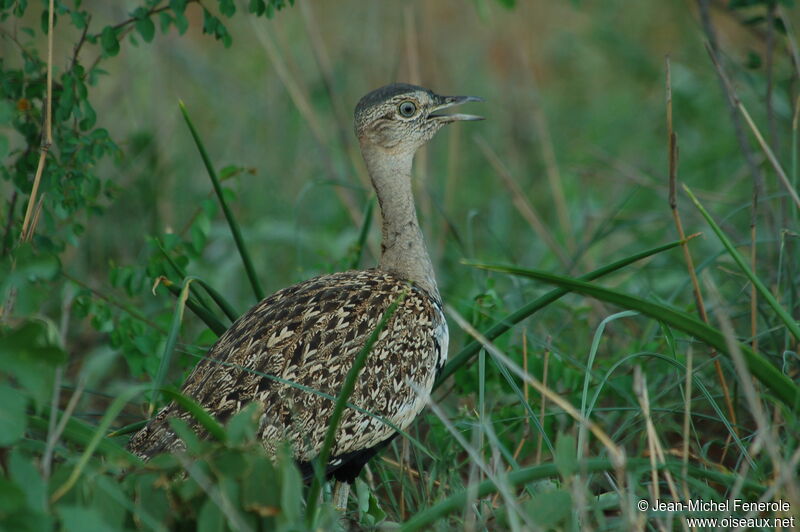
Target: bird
(309,334)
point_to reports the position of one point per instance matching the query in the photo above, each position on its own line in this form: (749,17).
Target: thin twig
(54,436)
(77,50)
(730,97)
(115,303)
(47,141)
(151,12)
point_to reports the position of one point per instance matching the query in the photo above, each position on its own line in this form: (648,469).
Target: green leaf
(22,471)
(551,509)
(99,435)
(30,354)
(112,503)
(186,434)
(291,488)
(178,6)
(243,426)
(12,497)
(181,22)
(89,117)
(368,506)
(78,18)
(565,458)
(258,493)
(198,412)
(7,112)
(211,518)
(81,519)
(169,345)
(227,8)
(109,42)
(257,6)
(13,420)
(146,28)
(165,20)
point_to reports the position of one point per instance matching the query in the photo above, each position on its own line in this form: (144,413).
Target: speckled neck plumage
(403,250)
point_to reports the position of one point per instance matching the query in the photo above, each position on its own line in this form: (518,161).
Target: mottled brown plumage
(310,333)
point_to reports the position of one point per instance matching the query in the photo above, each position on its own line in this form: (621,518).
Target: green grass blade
(521,398)
(697,381)
(205,316)
(471,349)
(169,346)
(763,291)
(129,429)
(786,390)
(321,461)
(208,421)
(232,223)
(99,433)
(81,433)
(221,302)
(362,234)
(457,502)
(219,299)
(598,335)
(181,274)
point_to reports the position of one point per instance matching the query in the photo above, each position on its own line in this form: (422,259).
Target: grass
(644,372)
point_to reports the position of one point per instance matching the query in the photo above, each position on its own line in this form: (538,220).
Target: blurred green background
(568,173)
(575,95)
(579,86)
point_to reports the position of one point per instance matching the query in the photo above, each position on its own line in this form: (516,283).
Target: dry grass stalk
(521,202)
(29,228)
(303,105)
(656,451)
(552,171)
(616,453)
(544,401)
(672,139)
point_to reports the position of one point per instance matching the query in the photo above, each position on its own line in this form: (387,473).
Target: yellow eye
(407,108)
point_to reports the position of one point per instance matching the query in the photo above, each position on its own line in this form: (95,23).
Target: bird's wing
(309,335)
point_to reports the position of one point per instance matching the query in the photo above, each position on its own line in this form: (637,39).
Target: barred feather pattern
(310,334)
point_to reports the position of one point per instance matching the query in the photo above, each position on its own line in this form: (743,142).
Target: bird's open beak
(449,101)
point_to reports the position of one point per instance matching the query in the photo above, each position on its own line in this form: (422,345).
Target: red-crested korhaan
(311,333)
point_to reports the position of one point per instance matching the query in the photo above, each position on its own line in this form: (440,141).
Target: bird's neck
(403,250)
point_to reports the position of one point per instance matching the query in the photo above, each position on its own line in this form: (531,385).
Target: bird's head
(401,117)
